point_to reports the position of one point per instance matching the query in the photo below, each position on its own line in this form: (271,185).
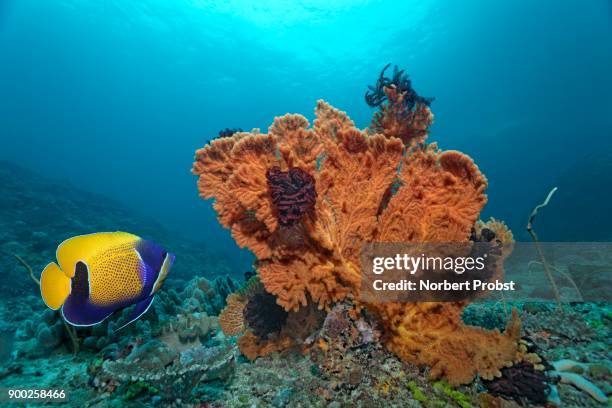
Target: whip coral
(305,199)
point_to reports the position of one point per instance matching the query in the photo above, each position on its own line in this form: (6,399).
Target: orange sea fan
(240,188)
(369,188)
(355,169)
(298,146)
(439,200)
(298,279)
(356,173)
(434,336)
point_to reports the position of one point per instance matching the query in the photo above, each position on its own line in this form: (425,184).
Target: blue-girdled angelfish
(99,274)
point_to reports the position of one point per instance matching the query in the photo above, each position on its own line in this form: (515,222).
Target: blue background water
(115,96)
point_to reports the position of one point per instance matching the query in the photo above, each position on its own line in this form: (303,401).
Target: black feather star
(228,132)
(375,95)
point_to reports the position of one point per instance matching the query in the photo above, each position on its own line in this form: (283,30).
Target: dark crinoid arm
(375,95)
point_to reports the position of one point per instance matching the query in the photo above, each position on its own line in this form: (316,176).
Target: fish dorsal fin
(54,286)
(86,247)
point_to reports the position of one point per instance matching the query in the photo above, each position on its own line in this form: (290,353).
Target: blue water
(115,96)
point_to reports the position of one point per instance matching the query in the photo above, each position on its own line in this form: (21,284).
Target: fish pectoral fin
(54,286)
(140,309)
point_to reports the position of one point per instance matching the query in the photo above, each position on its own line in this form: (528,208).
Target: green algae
(457,396)
(417,394)
(138,388)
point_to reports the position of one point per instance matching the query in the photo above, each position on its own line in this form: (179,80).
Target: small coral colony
(305,199)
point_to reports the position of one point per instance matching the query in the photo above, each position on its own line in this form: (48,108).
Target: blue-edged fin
(140,309)
(54,286)
(84,315)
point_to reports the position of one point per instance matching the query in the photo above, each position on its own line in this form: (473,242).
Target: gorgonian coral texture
(305,199)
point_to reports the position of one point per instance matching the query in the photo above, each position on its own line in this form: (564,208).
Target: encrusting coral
(305,199)
(231,317)
(252,346)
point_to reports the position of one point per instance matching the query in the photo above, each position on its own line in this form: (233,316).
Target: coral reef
(582,384)
(264,326)
(342,360)
(185,317)
(454,351)
(533,379)
(304,200)
(41,334)
(155,371)
(174,354)
(346,343)
(346,365)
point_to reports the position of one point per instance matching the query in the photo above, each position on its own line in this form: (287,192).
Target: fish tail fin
(54,286)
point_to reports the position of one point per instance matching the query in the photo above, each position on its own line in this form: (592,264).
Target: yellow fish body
(99,274)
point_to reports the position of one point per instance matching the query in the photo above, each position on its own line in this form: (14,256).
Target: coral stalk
(29,268)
